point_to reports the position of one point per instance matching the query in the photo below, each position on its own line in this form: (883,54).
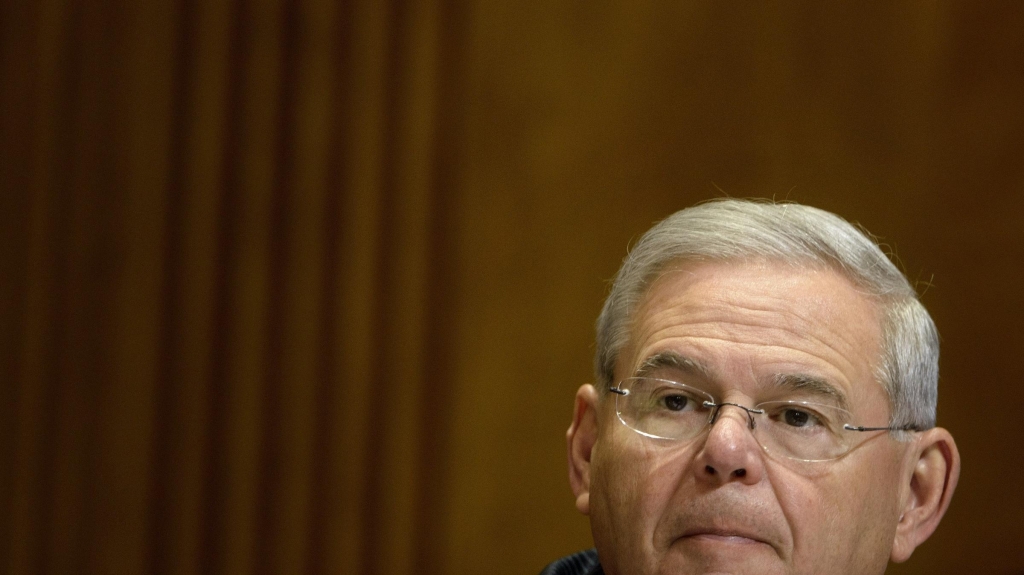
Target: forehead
(753,320)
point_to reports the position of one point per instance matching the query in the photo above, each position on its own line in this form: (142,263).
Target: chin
(707,555)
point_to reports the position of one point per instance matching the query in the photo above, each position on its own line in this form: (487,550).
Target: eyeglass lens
(665,409)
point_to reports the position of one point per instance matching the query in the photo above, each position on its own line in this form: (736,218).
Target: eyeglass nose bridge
(717,409)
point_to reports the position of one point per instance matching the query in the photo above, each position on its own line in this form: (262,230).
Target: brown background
(295,286)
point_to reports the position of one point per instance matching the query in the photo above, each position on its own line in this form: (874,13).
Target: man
(765,403)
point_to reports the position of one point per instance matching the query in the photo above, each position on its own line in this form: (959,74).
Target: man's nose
(730,452)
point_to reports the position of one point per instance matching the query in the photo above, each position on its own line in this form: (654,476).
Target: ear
(580,440)
(932,481)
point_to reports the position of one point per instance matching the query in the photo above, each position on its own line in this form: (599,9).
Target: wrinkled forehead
(802,278)
(758,316)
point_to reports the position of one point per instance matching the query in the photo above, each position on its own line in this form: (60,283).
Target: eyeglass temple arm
(618,391)
(909,427)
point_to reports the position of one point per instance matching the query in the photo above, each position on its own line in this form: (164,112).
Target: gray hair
(729,229)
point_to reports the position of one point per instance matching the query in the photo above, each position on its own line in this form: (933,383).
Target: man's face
(719,503)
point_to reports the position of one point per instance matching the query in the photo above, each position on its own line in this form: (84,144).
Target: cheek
(805,501)
(841,515)
(873,487)
(633,484)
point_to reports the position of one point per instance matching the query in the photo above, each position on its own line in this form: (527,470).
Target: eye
(676,402)
(799,418)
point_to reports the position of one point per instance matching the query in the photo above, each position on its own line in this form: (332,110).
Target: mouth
(713,535)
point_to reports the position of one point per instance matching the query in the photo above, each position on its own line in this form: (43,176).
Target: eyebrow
(673,360)
(786,381)
(814,385)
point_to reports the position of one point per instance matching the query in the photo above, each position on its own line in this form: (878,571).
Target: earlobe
(932,482)
(580,440)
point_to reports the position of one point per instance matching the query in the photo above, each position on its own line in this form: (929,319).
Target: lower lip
(723,539)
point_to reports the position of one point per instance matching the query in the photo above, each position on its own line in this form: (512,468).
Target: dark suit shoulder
(582,563)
